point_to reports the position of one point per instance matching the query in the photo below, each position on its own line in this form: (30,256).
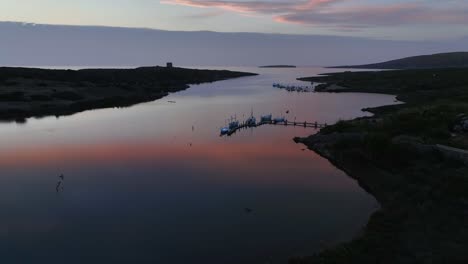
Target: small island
(30,92)
(278,66)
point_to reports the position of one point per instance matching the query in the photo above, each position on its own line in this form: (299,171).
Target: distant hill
(278,66)
(440,60)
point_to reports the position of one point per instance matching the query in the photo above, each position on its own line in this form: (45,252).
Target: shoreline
(363,171)
(34,92)
(403,162)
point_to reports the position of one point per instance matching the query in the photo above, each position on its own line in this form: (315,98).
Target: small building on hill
(169,65)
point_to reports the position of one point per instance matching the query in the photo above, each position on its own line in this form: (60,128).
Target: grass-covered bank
(28,92)
(401,156)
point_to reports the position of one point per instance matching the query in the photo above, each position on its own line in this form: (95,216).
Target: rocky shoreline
(412,159)
(417,222)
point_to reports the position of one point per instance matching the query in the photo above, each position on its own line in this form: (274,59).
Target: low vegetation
(396,156)
(27,92)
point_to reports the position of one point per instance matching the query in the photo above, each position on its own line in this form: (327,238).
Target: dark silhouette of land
(278,66)
(28,92)
(412,157)
(440,60)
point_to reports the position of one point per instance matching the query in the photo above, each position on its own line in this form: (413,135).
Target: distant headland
(30,92)
(278,66)
(440,60)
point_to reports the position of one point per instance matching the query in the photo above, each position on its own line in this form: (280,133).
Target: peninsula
(412,157)
(30,92)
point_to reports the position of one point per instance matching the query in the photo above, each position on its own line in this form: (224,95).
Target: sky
(379,19)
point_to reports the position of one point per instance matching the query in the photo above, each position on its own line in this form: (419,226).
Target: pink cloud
(207,14)
(266,7)
(329,13)
(371,16)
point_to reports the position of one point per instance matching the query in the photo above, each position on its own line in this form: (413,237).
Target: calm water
(142,187)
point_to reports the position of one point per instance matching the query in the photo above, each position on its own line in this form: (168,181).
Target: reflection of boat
(266,118)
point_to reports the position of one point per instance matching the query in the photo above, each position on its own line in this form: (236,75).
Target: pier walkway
(244,125)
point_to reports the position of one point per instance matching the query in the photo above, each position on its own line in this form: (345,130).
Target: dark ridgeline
(278,66)
(441,60)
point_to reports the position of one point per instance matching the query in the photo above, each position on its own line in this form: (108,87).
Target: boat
(251,121)
(231,127)
(225,130)
(265,118)
(279,120)
(234,124)
(293,88)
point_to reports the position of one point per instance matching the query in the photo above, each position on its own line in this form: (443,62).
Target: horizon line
(229,32)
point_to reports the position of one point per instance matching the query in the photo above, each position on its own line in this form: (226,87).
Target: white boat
(225,130)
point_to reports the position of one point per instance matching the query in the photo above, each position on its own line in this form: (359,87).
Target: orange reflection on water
(260,162)
(142,151)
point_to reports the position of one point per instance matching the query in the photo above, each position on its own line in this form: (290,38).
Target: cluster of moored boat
(294,88)
(234,124)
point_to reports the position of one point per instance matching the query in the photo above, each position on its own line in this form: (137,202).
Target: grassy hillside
(397,156)
(434,98)
(441,60)
(410,85)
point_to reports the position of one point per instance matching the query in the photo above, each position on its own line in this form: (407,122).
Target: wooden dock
(244,125)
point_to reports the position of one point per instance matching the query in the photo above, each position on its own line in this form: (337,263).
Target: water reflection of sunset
(268,163)
(146,170)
